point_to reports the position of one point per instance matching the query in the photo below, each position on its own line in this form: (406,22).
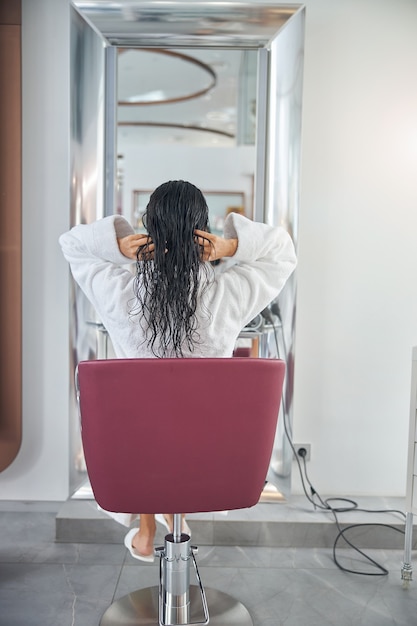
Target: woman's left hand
(129,245)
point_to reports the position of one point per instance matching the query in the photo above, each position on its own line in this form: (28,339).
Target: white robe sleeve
(97,264)
(264,260)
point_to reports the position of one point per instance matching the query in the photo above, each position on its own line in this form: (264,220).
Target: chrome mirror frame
(276,30)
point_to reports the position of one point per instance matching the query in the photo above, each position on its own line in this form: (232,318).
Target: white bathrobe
(264,260)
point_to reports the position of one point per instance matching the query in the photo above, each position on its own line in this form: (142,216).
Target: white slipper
(133,551)
(161,519)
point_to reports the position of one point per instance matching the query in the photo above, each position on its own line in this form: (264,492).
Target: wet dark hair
(169,280)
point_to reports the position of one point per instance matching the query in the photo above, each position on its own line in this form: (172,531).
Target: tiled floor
(44,583)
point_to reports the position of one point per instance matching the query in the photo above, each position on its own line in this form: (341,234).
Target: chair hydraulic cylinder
(176,581)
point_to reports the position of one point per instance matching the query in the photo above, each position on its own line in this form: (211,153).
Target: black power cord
(325,504)
(352,506)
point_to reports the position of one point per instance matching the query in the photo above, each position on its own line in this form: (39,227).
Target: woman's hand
(214,247)
(129,245)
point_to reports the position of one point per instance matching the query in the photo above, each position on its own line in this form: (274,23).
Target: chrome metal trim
(87,176)
(232,24)
(110,130)
(77,394)
(283,159)
(262,97)
(88,21)
(407,567)
(202,592)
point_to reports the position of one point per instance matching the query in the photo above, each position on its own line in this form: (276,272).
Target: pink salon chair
(182,436)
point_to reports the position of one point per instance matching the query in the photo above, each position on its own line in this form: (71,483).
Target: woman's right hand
(214,247)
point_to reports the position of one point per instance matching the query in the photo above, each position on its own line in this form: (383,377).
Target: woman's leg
(144,538)
(170,521)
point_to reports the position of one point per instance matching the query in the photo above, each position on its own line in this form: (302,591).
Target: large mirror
(208,92)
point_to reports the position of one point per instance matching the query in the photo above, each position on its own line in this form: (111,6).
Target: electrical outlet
(303,446)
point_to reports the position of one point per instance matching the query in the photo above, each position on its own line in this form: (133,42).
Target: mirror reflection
(186,114)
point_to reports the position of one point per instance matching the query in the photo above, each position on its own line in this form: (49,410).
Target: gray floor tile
(28,527)
(55,595)
(62,553)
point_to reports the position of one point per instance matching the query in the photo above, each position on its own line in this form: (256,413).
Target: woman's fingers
(206,248)
(208,242)
(214,247)
(204,234)
(140,240)
(129,245)
(145,251)
(134,243)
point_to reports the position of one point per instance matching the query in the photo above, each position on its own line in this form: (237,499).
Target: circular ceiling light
(192,127)
(148,90)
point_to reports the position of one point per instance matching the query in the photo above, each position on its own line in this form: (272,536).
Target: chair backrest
(178,435)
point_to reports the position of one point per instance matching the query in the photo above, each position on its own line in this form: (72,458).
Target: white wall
(210,169)
(357,305)
(40,471)
(357,298)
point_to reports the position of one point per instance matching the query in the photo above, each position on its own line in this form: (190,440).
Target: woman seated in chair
(178,303)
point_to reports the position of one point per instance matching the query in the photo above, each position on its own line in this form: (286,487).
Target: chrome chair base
(140,608)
